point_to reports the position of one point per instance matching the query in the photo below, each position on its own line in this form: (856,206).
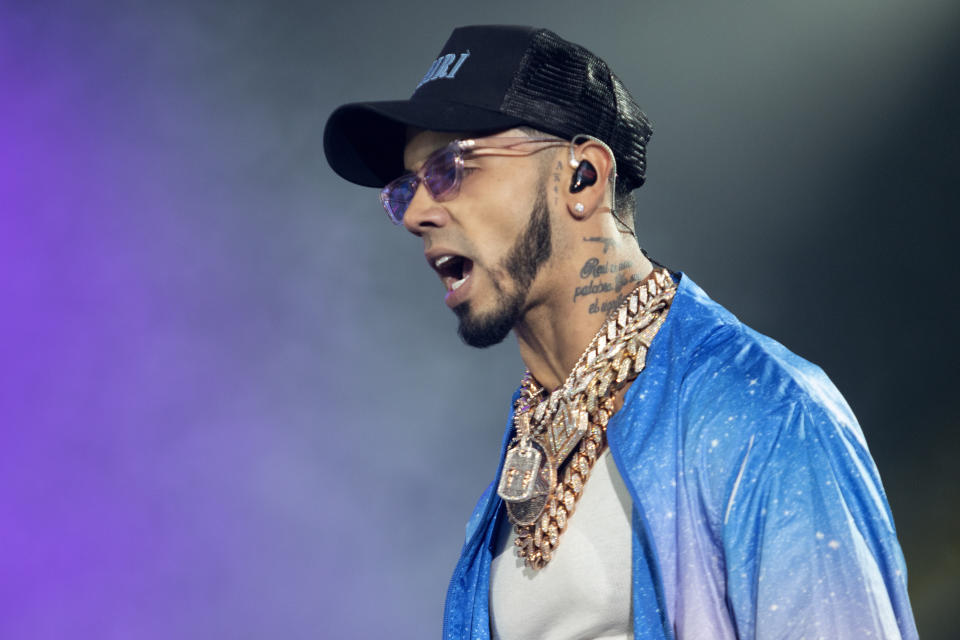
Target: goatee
(522,263)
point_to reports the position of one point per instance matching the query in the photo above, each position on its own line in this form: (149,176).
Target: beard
(521,265)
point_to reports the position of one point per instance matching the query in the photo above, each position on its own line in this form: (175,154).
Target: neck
(600,272)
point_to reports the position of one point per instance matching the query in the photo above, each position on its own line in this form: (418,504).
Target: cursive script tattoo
(593,269)
(622,280)
(607,242)
(592,288)
(606,307)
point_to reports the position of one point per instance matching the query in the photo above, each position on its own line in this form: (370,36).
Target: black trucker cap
(487,79)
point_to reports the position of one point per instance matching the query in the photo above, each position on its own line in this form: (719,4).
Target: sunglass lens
(397,195)
(441,174)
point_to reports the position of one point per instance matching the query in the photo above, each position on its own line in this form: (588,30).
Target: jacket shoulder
(744,395)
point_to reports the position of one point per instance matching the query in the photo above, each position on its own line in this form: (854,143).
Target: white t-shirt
(584,591)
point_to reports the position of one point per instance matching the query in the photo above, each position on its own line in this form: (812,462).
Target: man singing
(666,472)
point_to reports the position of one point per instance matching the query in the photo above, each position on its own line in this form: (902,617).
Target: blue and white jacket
(757,509)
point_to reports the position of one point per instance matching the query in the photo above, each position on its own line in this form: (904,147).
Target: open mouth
(454,270)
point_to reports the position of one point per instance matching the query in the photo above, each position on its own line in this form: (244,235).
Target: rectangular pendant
(519,477)
(566,430)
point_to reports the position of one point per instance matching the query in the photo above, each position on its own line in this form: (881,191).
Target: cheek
(500,206)
(491,250)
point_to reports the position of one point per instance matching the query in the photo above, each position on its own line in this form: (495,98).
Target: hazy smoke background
(233,404)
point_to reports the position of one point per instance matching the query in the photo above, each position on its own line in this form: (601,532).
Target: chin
(483,330)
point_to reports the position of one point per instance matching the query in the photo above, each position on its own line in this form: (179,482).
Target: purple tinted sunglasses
(442,172)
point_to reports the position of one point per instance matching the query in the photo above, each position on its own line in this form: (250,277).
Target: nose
(424,213)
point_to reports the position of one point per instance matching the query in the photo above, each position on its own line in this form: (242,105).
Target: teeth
(456,285)
(442,260)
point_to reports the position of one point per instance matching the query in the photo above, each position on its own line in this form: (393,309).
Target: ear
(587,177)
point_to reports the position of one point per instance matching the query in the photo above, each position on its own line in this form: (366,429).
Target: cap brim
(364,141)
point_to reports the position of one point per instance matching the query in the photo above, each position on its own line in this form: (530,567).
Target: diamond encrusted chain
(574,416)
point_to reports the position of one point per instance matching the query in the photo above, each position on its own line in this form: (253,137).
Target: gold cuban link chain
(539,504)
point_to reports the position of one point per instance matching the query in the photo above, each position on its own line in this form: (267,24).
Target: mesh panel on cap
(564,89)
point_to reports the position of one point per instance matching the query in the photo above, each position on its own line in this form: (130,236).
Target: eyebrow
(410,169)
(407,167)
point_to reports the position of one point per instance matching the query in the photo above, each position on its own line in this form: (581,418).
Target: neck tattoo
(548,427)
